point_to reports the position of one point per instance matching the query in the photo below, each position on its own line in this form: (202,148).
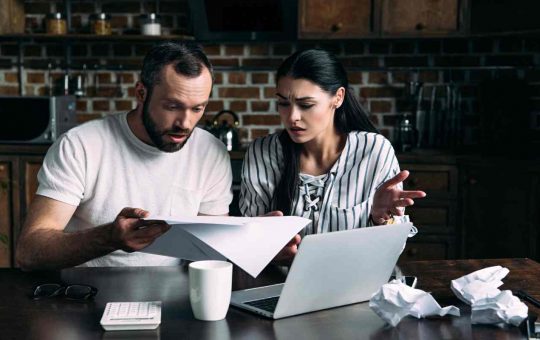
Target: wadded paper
(395,300)
(489,305)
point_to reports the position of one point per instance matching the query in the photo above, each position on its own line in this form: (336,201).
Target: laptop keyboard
(268,304)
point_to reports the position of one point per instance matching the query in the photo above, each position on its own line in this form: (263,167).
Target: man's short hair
(188,59)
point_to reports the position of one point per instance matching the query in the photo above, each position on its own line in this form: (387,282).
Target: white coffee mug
(210,285)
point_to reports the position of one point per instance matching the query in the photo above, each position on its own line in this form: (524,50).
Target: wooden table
(57,318)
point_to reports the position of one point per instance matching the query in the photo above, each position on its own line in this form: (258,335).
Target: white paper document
(249,242)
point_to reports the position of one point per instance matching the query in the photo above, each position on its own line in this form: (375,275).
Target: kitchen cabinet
(19,165)
(436,215)
(489,16)
(11,16)
(334,19)
(500,209)
(6,215)
(368,18)
(429,248)
(420,17)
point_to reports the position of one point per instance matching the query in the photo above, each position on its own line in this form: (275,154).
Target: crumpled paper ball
(489,305)
(395,300)
(481,284)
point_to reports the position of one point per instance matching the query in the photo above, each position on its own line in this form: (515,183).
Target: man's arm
(43,244)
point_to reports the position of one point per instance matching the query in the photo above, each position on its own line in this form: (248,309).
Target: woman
(329,164)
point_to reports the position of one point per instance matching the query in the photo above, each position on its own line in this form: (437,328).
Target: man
(123,167)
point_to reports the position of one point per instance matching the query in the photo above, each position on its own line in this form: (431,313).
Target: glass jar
(56,23)
(150,24)
(406,134)
(100,24)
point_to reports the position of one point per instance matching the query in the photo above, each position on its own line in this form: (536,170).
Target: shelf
(23,149)
(94,37)
(373,37)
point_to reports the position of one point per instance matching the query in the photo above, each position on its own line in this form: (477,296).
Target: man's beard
(157,136)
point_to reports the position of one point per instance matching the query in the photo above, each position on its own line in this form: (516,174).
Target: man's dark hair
(188,59)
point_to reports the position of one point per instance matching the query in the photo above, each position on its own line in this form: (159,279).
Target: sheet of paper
(249,242)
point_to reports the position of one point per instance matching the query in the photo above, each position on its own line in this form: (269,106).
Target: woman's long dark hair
(323,69)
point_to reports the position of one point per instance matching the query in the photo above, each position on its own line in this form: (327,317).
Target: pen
(525,296)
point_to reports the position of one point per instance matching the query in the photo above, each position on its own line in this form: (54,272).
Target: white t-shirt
(102,167)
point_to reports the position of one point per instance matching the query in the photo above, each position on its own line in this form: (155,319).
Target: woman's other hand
(285,255)
(273,213)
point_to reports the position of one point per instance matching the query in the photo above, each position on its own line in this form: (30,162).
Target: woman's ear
(339,97)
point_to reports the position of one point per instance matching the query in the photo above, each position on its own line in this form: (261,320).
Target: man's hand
(130,232)
(390,201)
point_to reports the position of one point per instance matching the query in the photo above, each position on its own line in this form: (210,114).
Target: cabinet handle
(337,27)
(420,26)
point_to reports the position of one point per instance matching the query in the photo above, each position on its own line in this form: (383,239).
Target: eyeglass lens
(48,290)
(79,292)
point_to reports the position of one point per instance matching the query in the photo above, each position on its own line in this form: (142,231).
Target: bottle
(405,139)
(66,83)
(100,24)
(150,24)
(56,23)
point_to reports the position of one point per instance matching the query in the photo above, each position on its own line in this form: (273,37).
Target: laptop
(330,270)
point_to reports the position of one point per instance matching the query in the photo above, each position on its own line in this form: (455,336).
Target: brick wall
(379,70)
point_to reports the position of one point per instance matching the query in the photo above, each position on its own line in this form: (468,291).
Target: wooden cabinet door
(11,16)
(434,217)
(6,212)
(419,17)
(504,15)
(498,209)
(334,19)
(438,181)
(29,168)
(428,248)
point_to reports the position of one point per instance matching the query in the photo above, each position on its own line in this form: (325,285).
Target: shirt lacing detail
(311,190)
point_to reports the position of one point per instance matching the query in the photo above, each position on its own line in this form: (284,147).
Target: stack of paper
(249,242)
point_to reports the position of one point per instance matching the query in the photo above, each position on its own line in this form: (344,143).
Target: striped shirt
(338,200)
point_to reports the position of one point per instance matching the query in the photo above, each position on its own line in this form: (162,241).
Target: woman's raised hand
(391,201)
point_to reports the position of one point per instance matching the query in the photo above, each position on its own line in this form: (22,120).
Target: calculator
(122,316)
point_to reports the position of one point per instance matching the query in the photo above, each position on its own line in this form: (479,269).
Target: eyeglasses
(73,292)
